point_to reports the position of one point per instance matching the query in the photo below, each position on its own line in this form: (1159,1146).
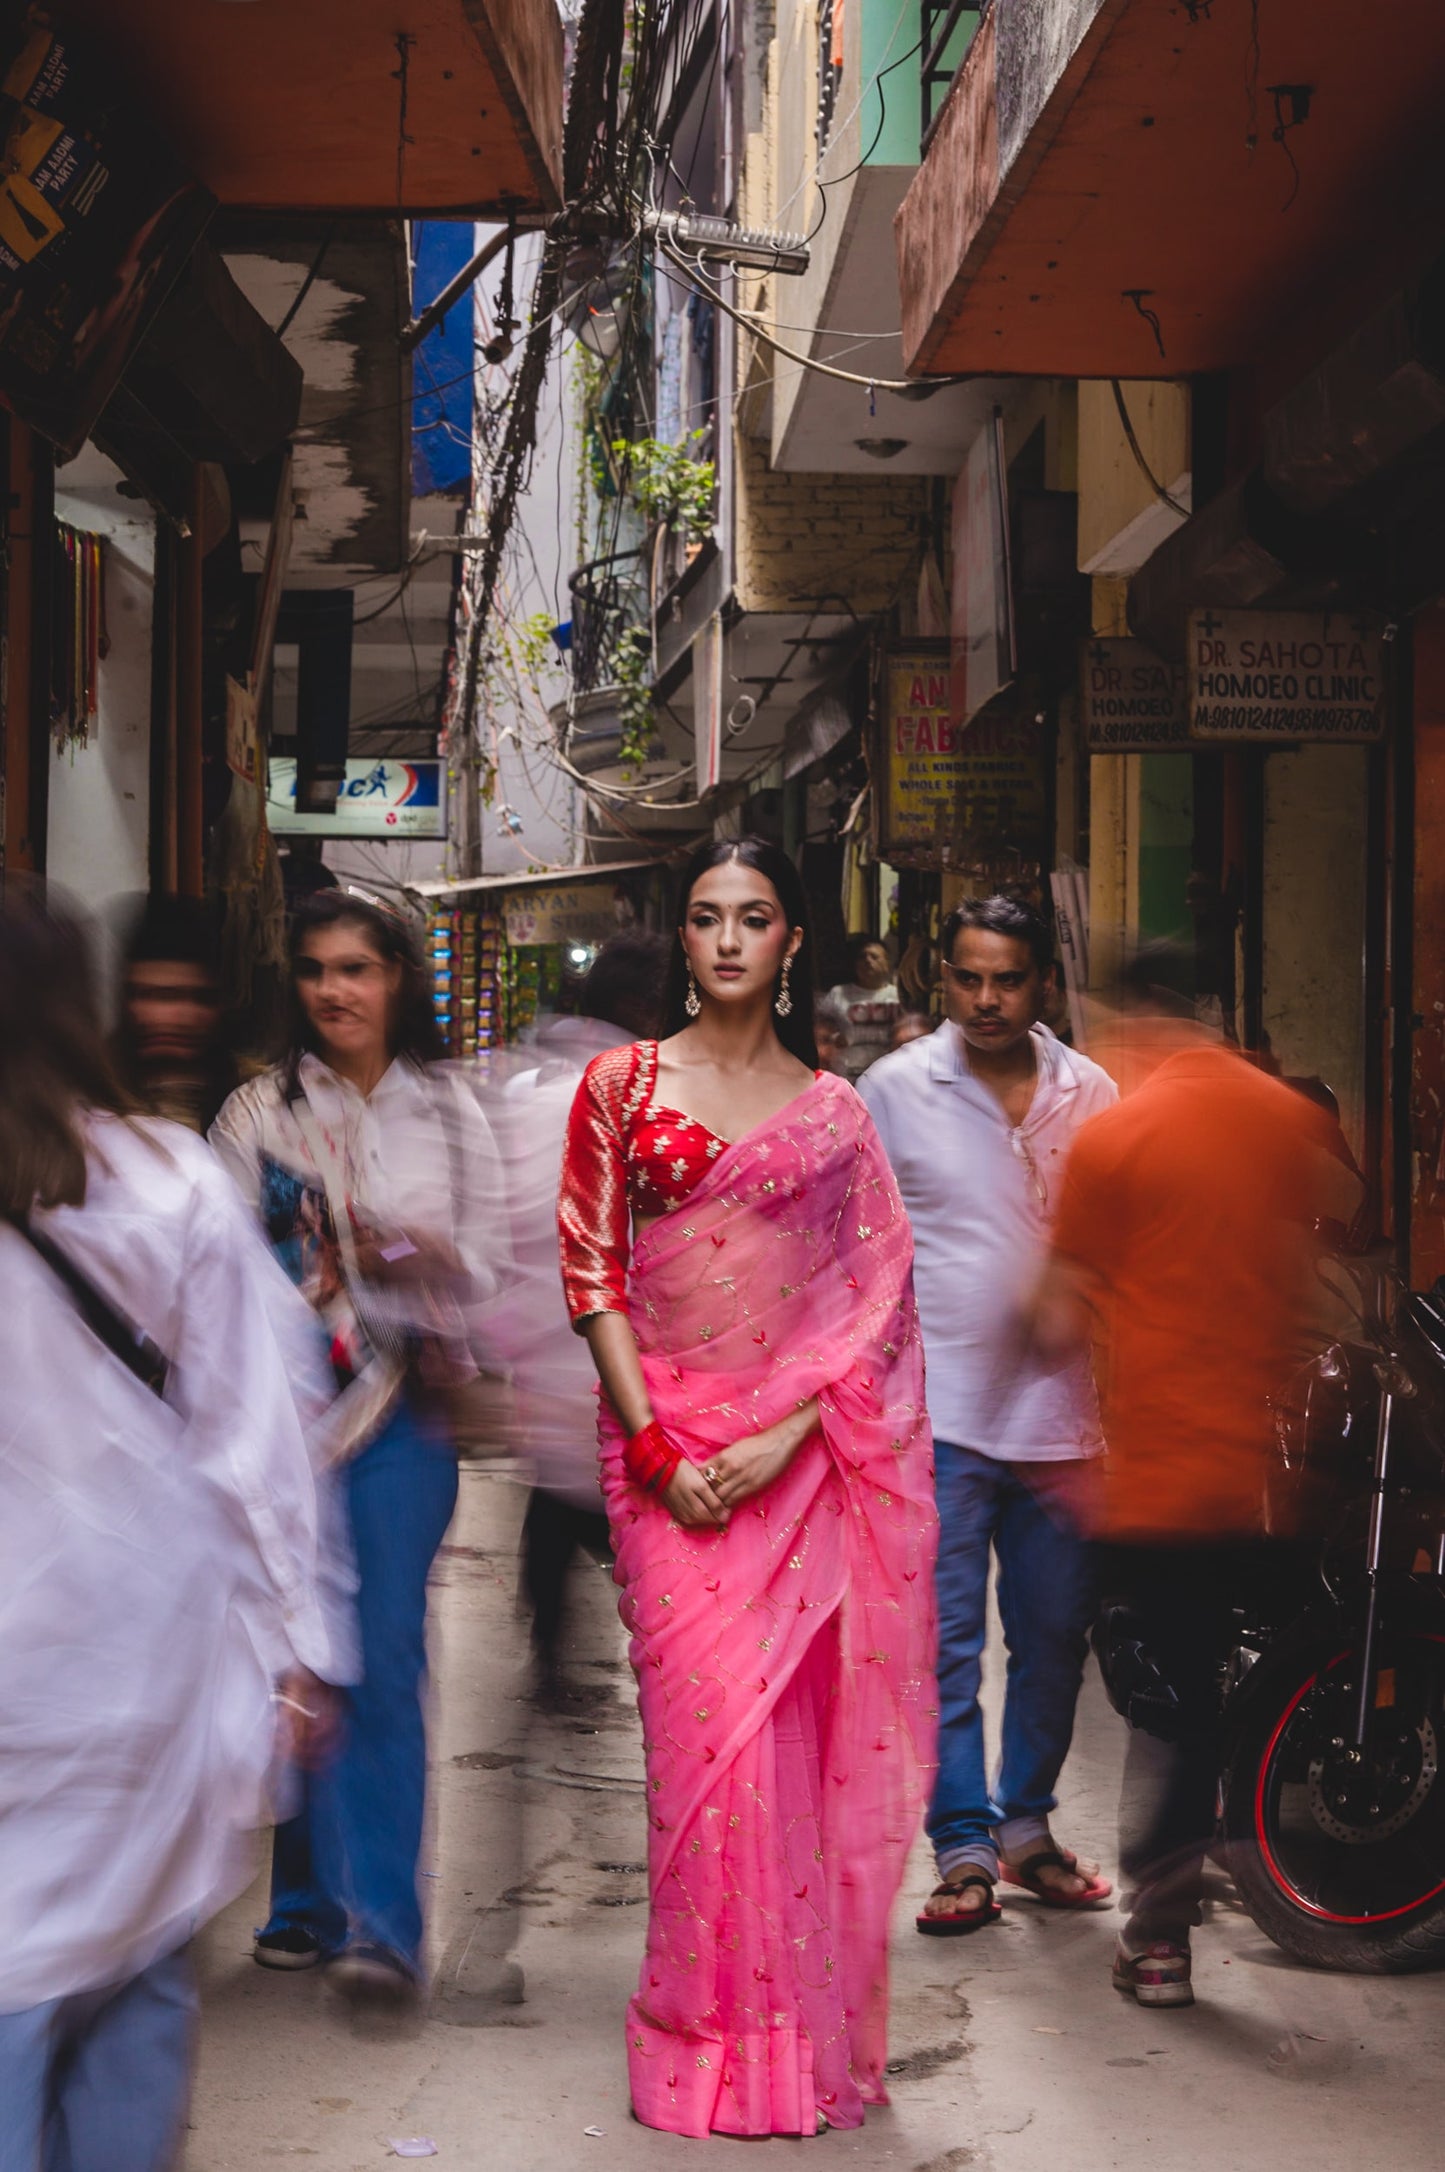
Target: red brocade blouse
(625,1154)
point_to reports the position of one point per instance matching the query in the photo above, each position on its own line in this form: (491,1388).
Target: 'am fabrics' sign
(1286,675)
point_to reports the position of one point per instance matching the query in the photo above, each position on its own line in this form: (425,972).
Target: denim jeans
(346,1864)
(1021,1511)
(100,2081)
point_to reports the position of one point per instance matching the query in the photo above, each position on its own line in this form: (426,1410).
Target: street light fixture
(718,241)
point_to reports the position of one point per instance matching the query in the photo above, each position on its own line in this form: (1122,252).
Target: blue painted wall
(442,383)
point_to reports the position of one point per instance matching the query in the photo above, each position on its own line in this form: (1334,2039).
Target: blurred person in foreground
(1182,1244)
(552,1373)
(869,1001)
(169,1045)
(375,1175)
(158,1570)
(977,1120)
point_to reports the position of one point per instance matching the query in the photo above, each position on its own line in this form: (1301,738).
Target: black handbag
(135,1349)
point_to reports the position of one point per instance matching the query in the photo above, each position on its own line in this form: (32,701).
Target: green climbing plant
(636,707)
(665,483)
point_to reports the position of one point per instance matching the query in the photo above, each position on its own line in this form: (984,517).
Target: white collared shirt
(158,1564)
(981,1195)
(416,1154)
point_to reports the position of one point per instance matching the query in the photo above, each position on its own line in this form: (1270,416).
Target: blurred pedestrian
(830,1032)
(977,1120)
(735,1251)
(170,1047)
(554,1379)
(910,1026)
(158,1566)
(869,1002)
(1181,1239)
(376,1178)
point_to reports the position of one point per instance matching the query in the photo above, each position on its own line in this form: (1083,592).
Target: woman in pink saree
(766,1462)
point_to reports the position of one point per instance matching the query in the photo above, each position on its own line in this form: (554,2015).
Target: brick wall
(802,536)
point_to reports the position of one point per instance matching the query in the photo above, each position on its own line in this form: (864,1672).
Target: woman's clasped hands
(703,1495)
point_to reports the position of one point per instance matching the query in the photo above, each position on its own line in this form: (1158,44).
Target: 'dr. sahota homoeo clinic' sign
(1131,701)
(1272,675)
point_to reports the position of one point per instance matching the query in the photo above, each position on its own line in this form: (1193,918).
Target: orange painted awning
(297,104)
(1078,186)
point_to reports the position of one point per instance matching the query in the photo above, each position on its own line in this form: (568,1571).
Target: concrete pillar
(1313,1010)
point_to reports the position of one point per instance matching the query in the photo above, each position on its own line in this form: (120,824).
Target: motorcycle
(1333,1796)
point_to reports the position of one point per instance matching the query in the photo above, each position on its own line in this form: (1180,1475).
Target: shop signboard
(967,796)
(97,217)
(377,799)
(1264,676)
(1130,700)
(566,912)
(982,622)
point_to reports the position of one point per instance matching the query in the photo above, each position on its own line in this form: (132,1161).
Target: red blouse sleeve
(593,1223)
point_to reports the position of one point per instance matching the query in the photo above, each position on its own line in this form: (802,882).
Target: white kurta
(157,1565)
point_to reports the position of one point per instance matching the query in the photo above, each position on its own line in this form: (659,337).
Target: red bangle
(650,1459)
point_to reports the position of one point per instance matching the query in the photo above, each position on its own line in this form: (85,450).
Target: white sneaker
(1159,1976)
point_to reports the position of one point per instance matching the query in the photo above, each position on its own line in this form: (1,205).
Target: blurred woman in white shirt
(376,1179)
(158,1569)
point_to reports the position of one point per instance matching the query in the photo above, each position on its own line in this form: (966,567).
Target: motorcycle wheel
(1341,1861)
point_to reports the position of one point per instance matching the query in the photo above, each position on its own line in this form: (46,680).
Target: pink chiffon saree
(784,1666)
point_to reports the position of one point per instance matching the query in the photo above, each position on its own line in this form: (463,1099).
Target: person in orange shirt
(1181,1244)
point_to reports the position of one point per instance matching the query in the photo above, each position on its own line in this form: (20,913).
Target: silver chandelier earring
(692,1001)
(784,1003)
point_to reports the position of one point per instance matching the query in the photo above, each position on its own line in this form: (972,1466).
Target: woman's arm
(593,1225)
(687,1495)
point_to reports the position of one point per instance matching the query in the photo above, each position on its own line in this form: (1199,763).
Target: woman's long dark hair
(417,1035)
(770,861)
(54,1063)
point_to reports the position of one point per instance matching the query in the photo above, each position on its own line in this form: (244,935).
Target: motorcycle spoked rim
(1276,1871)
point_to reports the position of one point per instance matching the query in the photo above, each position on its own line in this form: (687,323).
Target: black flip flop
(970,1874)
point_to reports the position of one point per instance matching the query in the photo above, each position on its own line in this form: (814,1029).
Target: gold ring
(709,1472)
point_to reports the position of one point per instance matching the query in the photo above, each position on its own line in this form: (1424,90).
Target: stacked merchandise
(462,954)
(523,981)
(488,1021)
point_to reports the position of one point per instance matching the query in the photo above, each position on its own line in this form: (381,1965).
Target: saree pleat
(784,1666)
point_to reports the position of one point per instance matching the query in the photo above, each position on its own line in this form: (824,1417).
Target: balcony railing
(948,32)
(608,595)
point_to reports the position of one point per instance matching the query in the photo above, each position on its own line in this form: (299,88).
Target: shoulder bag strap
(135,1349)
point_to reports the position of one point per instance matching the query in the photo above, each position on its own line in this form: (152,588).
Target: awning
(1127,188)
(469,885)
(291,108)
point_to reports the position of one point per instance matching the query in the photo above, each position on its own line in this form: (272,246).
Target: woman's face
(348,991)
(736,935)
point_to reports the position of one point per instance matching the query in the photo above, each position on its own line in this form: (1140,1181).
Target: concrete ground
(1010,2051)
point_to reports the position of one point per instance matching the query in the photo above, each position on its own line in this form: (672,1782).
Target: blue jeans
(346,1864)
(1046,1600)
(100,2081)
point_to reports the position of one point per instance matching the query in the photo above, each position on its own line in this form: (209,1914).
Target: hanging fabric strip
(78,638)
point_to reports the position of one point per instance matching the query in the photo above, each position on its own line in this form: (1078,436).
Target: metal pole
(453,291)
(1371,1639)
